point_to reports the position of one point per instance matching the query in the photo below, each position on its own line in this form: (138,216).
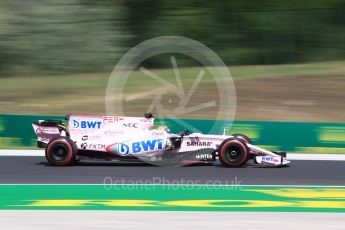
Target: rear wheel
(233,153)
(61,151)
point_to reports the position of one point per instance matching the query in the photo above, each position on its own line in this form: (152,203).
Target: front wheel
(61,151)
(243,138)
(233,153)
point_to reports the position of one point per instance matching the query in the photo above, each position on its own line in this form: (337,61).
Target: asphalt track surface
(36,170)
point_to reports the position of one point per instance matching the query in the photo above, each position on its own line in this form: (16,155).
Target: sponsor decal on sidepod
(137,147)
(86,124)
(204,156)
(199,143)
(111,119)
(131,125)
(92,146)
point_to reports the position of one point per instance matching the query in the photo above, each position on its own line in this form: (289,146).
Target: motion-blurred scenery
(286,57)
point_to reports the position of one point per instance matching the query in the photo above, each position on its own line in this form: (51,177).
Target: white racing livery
(134,138)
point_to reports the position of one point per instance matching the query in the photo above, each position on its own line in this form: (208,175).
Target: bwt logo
(267,158)
(270,159)
(86,124)
(124,149)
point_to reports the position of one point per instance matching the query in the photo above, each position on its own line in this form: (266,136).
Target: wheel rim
(59,152)
(234,154)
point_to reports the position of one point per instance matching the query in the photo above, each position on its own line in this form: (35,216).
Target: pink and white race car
(135,139)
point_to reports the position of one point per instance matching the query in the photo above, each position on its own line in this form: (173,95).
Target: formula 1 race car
(134,138)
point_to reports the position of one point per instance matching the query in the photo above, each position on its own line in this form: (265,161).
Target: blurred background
(287,57)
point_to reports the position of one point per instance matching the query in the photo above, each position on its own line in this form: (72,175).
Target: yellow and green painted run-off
(173,198)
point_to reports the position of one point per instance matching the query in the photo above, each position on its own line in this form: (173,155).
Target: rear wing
(47,130)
